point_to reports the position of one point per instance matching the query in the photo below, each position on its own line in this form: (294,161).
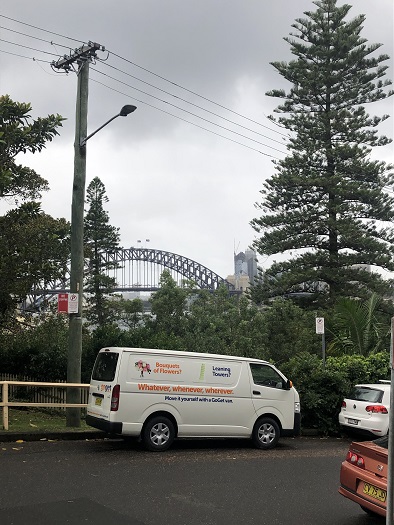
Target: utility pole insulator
(82,53)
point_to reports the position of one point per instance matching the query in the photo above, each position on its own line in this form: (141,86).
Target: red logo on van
(142,367)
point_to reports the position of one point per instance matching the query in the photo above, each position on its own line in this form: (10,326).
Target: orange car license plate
(98,401)
(375,492)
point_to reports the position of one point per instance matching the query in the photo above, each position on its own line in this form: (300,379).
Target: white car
(366,409)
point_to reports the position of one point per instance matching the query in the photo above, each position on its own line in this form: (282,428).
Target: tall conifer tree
(99,238)
(328,201)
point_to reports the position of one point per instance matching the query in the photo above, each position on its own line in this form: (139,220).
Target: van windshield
(105,366)
(264,375)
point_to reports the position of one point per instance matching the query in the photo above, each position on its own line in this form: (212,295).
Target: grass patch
(34,420)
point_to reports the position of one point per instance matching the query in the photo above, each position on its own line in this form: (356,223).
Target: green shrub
(321,392)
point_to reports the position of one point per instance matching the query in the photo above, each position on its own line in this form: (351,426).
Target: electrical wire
(31,48)
(188,112)
(35,37)
(156,75)
(40,29)
(22,56)
(192,104)
(184,120)
(159,109)
(155,87)
(194,93)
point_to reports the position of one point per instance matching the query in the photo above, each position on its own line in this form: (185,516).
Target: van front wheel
(158,434)
(266,433)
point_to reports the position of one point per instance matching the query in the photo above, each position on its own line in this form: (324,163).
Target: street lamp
(73,414)
(126,110)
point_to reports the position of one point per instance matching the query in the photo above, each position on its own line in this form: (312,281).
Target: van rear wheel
(158,434)
(266,433)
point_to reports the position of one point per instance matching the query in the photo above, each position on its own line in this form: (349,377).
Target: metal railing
(5,404)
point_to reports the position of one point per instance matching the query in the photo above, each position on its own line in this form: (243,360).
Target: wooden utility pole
(82,57)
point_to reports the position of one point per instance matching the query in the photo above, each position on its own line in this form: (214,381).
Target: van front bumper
(109,427)
(296,430)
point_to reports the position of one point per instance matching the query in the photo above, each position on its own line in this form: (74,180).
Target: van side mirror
(288,384)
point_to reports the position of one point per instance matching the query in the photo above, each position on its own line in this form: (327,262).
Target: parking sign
(72,303)
(320,325)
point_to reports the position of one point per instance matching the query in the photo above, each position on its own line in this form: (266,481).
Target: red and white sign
(72,303)
(62,303)
(67,303)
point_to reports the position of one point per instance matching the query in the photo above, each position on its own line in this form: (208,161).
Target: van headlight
(297,407)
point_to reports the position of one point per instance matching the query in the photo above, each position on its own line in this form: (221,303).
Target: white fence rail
(55,399)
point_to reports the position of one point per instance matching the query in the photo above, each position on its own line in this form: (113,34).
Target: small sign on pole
(320,325)
(72,303)
(62,303)
(320,330)
(67,303)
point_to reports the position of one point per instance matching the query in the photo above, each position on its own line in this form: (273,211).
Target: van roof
(180,353)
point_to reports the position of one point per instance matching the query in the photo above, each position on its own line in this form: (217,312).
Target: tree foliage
(287,331)
(168,318)
(358,328)
(327,202)
(322,390)
(100,239)
(220,323)
(34,246)
(34,253)
(20,133)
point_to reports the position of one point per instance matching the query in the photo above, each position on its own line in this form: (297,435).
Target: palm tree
(356,328)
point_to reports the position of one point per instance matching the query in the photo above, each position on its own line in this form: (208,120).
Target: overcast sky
(188,190)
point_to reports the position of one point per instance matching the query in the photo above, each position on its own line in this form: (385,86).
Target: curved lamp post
(73,414)
(126,110)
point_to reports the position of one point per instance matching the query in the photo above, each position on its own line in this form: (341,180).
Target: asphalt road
(199,482)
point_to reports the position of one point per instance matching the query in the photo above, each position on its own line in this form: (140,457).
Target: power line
(162,90)
(162,110)
(166,112)
(156,75)
(189,112)
(27,47)
(22,56)
(192,104)
(184,120)
(40,29)
(194,93)
(34,37)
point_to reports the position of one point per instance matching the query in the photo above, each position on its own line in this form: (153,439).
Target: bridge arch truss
(139,269)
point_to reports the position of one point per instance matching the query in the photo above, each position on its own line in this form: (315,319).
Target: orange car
(364,475)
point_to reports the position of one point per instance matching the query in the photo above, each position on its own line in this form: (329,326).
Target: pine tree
(328,201)
(100,238)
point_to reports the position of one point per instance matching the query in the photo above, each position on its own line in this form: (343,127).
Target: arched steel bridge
(139,270)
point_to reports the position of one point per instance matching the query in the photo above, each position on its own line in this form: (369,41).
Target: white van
(159,395)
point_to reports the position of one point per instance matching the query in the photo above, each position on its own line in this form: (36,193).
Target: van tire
(266,433)
(158,434)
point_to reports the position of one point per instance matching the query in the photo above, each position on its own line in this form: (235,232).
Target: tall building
(245,269)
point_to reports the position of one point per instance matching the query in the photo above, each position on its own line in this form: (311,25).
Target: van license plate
(374,492)
(98,401)
(352,421)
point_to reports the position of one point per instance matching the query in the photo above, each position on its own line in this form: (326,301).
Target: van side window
(105,366)
(264,375)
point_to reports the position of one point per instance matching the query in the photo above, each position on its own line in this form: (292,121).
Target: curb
(6,437)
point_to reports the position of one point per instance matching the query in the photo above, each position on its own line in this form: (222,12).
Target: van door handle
(256,392)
